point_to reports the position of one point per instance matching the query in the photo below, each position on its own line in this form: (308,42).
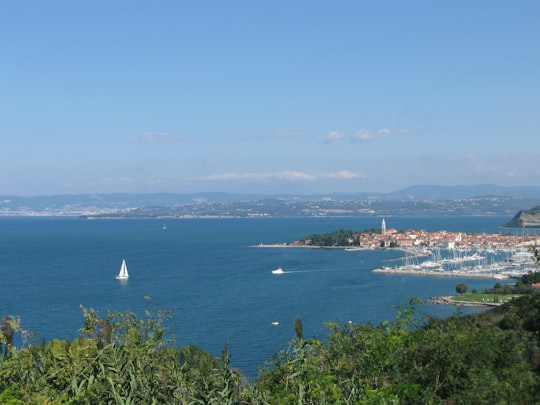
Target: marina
(438,253)
(496,264)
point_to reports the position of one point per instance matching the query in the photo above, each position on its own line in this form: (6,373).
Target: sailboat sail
(123,274)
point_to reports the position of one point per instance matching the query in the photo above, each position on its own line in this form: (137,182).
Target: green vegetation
(526,218)
(488,298)
(532,277)
(491,357)
(341,237)
(500,293)
(461,288)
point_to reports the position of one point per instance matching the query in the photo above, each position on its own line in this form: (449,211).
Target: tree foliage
(119,359)
(341,237)
(461,288)
(486,358)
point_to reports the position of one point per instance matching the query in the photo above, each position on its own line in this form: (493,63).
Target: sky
(277,96)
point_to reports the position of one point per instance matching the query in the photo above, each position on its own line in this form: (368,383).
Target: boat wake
(281,271)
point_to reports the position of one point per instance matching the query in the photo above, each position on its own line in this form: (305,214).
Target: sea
(214,277)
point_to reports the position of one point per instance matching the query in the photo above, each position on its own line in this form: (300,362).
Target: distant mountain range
(428,192)
(494,200)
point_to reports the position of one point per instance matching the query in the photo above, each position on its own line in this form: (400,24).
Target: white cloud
(158,138)
(345,174)
(283,175)
(365,135)
(333,136)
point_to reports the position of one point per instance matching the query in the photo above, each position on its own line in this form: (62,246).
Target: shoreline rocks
(449,300)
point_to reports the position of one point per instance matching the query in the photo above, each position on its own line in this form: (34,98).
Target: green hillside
(526,218)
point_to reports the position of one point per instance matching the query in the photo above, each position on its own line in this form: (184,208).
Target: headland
(442,253)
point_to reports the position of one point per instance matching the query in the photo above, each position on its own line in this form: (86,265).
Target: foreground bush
(488,358)
(118,360)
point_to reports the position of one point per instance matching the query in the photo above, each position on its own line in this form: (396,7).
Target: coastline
(449,300)
(288,245)
(345,248)
(494,271)
(444,273)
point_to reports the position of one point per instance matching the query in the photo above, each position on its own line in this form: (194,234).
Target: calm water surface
(208,273)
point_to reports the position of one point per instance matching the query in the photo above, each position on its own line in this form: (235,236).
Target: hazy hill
(416,200)
(429,192)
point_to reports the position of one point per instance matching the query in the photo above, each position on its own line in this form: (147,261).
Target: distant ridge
(417,192)
(481,199)
(429,192)
(526,219)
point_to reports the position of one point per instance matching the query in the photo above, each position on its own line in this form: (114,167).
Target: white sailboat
(123,274)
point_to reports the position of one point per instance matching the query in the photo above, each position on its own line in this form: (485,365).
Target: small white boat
(123,274)
(279,270)
(275,323)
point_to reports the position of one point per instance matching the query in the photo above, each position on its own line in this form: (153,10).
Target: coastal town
(444,253)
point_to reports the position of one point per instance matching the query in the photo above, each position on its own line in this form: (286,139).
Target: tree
(461,288)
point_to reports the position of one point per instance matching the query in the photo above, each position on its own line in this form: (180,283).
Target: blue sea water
(208,272)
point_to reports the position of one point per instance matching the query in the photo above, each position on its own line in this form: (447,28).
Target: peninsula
(441,253)
(526,219)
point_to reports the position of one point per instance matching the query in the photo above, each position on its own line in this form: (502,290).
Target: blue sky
(267,96)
